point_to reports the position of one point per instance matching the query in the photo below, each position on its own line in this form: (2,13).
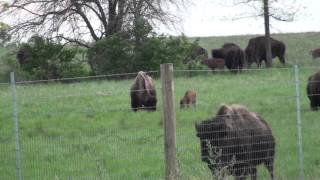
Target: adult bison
(143,93)
(214,63)
(197,53)
(313,90)
(256,50)
(232,54)
(235,142)
(315,53)
(189,99)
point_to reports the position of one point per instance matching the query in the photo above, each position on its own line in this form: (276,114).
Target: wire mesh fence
(84,128)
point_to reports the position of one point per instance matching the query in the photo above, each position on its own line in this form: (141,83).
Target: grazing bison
(143,93)
(199,51)
(235,142)
(234,58)
(256,50)
(315,53)
(189,98)
(232,54)
(214,63)
(313,90)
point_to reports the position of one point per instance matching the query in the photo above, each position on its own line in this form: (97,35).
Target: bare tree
(81,21)
(275,9)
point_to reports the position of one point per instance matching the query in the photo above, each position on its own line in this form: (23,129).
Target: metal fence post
(297,83)
(169,119)
(16,126)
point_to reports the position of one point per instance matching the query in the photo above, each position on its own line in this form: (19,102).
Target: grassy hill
(86,130)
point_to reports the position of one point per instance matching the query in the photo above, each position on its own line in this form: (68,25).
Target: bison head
(210,133)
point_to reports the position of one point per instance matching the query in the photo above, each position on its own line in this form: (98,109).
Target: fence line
(81,78)
(167,102)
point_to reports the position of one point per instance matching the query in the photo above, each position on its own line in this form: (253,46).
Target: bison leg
(269,166)
(253,173)
(282,59)
(313,104)
(135,103)
(151,105)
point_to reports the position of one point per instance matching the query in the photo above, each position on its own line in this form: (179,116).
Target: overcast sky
(207,18)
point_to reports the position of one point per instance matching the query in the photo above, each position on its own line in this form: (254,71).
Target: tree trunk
(267,33)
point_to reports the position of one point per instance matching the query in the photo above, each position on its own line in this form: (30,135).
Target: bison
(235,142)
(315,53)
(256,50)
(189,98)
(143,93)
(214,63)
(217,53)
(313,90)
(234,58)
(232,54)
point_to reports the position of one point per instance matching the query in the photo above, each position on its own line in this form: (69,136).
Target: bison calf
(214,63)
(235,142)
(313,90)
(188,99)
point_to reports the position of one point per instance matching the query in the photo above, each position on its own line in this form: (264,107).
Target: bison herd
(235,141)
(235,58)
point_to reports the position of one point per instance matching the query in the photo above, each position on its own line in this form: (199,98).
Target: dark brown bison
(235,142)
(189,99)
(199,51)
(315,53)
(143,93)
(217,53)
(214,63)
(234,58)
(232,54)
(256,50)
(313,90)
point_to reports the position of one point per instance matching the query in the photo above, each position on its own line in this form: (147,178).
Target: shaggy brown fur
(313,90)
(236,141)
(256,50)
(143,93)
(214,63)
(315,53)
(189,99)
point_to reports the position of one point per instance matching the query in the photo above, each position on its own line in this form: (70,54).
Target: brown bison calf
(188,99)
(313,90)
(214,63)
(315,53)
(235,142)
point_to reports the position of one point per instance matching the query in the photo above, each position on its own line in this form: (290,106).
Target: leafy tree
(78,21)
(116,54)
(4,35)
(44,59)
(112,54)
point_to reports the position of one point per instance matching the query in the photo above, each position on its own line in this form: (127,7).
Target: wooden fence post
(169,119)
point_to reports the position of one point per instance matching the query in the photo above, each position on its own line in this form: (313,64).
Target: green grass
(86,130)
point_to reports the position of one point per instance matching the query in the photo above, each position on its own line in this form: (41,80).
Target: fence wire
(84,128)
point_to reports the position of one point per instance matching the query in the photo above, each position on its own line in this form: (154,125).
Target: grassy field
(86,130)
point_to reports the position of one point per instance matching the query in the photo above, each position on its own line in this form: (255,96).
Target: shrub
(110,55)
(42,59)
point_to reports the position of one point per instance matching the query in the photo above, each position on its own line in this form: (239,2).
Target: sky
(212,18)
